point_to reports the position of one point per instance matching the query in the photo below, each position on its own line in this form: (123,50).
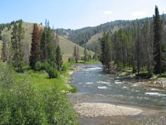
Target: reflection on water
(91,80)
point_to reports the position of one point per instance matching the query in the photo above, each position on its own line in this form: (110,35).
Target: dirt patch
(105,109)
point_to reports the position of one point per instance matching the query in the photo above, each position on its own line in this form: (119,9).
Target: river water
(95,86)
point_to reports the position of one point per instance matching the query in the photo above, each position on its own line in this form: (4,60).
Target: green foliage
(85,55)
(157,43)
(17,37)
(38,66)
(64,67)
(71,60)
(76,53)
(106,51)
(48,44)
(23,104)
(58,59)
(35,46)
(74,89)
(52,72)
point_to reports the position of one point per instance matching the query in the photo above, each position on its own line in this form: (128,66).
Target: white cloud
(138,14)
(107,12)
(163,11)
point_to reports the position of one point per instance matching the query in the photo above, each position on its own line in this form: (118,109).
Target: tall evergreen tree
(76,53)
(85,54)
(157,42)
(138,51)
(4,54)
(48,45)
(106,57)
(35,46)
(58,60)
(16,40)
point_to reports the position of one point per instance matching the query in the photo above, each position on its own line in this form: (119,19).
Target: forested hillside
(66,45)
(90,36)
(140,46)
(81,36)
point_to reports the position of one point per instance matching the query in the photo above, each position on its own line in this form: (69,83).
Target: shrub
(38,66)
(71,60)
(74,89)
(52,72)
(22,104)
(64,67)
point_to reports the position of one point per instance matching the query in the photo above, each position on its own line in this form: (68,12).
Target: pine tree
(58,60)
(85,54)
(35,46)
(4,51)
(43,46)
(157,42)
(76,53)
(106,52)
(148,46)
(48,45)
(5,54)
(16,40)
(138,51)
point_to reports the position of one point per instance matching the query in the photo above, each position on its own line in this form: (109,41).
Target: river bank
(95,110)
(103,99)
(144,80)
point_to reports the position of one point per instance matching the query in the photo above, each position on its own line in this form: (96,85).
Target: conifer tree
(76,53)
(4,54)
(16,40)
(106,52)
(58,60)
(157,42)
(35,46)
(85,54)
(48,45)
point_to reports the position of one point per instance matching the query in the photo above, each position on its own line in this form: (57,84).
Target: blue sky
(75,14)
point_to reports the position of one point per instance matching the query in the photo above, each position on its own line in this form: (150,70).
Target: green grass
(41,81)
(32,98)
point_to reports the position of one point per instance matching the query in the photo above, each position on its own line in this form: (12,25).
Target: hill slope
(66,45)
(82,36)
(89,36)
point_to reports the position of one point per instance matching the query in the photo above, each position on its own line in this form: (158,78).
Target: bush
(144,75)
(64,67)
(52,72)
(71,60)
(22,104)
(38,66)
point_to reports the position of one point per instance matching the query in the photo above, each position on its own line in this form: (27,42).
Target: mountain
(89,36)
(66,45)
(82,36)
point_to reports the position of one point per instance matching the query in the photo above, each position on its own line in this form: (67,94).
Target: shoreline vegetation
(137,52)
(154,81)
(32,97)
(35,77)
(35,98)
(34,83)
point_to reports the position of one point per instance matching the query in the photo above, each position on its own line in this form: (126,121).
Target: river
(94,86)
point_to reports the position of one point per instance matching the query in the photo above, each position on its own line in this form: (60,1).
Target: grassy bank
(32,98)
(41,81)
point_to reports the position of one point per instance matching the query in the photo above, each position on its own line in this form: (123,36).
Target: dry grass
(66,45)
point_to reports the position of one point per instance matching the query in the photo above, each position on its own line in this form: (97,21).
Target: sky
(75,14)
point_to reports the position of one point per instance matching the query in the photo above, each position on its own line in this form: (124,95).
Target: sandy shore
(104,109)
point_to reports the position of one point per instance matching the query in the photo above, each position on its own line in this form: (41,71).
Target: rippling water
(90,80)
